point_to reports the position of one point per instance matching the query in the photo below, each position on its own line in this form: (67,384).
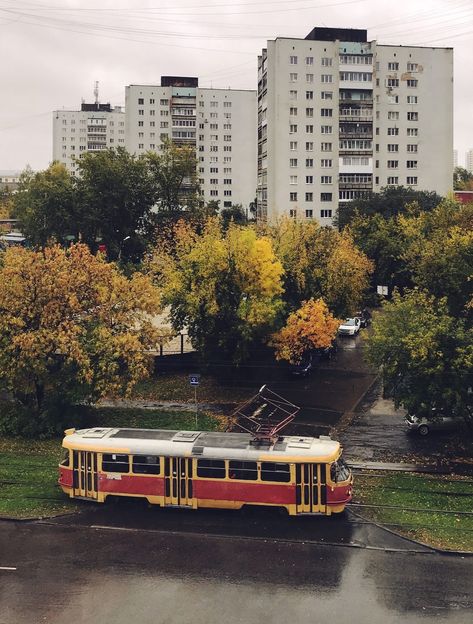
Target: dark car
(304,367)
(365,318)
(438,422)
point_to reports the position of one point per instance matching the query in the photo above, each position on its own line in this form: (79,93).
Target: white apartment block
(93,128)
(220,123)
(469,160)
(339,116)
(455,158)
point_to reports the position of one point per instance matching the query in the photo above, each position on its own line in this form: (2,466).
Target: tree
(320,262)
(46,205)
(174,174)
(72,328)
(425,354)
(223,287)
(391,201)
(310,327)
(115,195)
(235,214)
(462,179)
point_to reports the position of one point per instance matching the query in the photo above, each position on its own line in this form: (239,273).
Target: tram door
(311,488)
(178,486)
(85,474)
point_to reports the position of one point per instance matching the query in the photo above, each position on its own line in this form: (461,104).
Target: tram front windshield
(339,471)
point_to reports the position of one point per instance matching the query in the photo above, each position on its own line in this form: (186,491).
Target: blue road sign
(194,380)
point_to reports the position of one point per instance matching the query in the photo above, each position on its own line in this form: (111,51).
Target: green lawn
(28,469)
(426,507)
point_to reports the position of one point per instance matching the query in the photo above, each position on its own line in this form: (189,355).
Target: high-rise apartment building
(469,160)
(93,128)
(339,116)
(455,158)
(220,123)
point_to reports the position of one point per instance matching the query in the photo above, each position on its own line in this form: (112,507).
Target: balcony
(356,114)
(357,134)
(343,186)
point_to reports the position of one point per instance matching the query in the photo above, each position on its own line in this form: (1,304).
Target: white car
(350,327)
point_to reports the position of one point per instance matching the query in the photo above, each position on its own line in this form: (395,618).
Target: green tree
(425,354)
(223,287)
(391,201)
(46,205)
(235,214)
(116,194)
(72,328)
(462,179)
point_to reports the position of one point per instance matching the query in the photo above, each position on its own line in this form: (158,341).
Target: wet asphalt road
(80,575)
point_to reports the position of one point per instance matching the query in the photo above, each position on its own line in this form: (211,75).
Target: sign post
(194,380)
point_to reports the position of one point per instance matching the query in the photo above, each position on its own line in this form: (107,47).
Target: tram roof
(204,444)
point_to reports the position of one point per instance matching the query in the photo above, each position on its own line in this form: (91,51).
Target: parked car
(350,327)
(440,422)
(365,317)
(304,367)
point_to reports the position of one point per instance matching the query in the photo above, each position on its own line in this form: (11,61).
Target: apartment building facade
(93,128)
(339,116)
(219,123)
(469,160)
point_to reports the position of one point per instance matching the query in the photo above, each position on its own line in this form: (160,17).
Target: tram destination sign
(194,380)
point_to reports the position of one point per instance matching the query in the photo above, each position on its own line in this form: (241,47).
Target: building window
(412,116)
(326,180)
(325,197)
(326,78)
(393,147)
(227,137)
(326,147)
(392,82)
(293,77)
(309,60)
(412,147)
(326,62)
(227,193)
(393,131)
(227,148)
(214,193)
(393,180)
(412,99)
(293,162)
(213,104)
(141,101)
(326,95)
(309,214)
(164,102)
(393,99)
(309,146)
(292,128)
(293,95)
(393,164)
(393,66)
(293,213)
(293,60)
(326,129)
(326,112)
(309,162)
(412,83)
(293,196)
(293,146)
(309,197)
(412,132)
(309,78)
(326,214)
(309,129)
(293,179)
(411,164)
(326,163)
(309,179)
(141,111)
(227,105)
(411,180)
(393,114)
(309,112)
(293,111)
(309,95)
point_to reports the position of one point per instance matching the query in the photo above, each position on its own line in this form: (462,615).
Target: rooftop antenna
(96,92)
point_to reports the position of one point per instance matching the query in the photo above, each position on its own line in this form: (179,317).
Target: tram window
(65,459)
(339,471)
(243,470)
(146,464)
(211,468)
(115,463)
(271,471)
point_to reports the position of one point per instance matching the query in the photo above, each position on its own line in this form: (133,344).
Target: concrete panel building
(469,160)
(93,128)
(220,123)
(339,116)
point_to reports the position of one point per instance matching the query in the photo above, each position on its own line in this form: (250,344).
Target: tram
(202,469)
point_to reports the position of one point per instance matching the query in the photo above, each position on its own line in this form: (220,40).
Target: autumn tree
(310,327)
(224,288)
(425,354)
(72,328)
(320,262)
(462,179)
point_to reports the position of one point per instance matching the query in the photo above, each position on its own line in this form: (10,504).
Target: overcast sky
(52,51)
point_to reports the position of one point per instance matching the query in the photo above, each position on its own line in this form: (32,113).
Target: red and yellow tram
(197,469)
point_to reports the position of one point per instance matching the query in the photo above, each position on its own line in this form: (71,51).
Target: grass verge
(29,469)
(424,507)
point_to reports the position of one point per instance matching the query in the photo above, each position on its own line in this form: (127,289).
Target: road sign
(194,380)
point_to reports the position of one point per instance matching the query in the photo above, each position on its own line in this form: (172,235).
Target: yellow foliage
(69,313)
(311,327)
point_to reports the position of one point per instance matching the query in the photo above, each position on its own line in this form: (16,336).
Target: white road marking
(6,568)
